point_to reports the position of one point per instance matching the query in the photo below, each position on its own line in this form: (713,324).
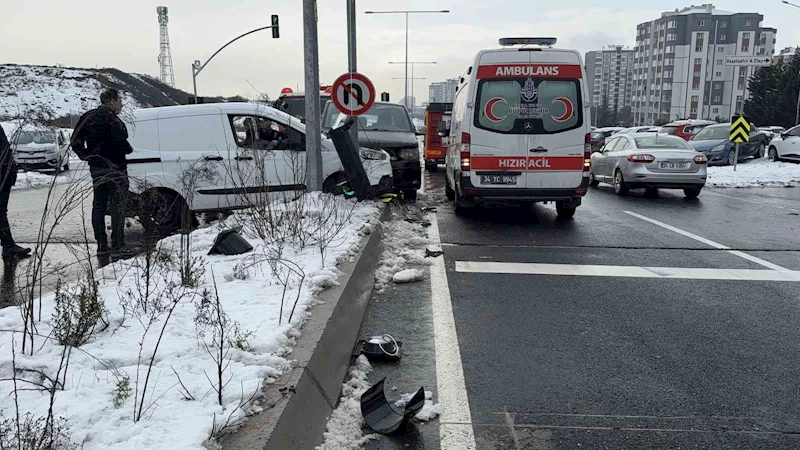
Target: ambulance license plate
(498,179)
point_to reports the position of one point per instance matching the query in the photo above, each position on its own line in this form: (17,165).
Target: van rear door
(541,102)
(498,150)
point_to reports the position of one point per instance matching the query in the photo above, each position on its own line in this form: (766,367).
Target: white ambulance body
(521,128)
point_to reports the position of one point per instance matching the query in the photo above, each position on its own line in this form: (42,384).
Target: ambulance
(520,129)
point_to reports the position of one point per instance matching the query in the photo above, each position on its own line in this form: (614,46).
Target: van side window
(260,133)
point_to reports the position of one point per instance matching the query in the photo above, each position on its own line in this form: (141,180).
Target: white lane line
(625,271)
(751,201)
(450,383)
(710,242)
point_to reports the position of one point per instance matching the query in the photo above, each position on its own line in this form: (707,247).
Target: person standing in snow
(101,140)
(8,177)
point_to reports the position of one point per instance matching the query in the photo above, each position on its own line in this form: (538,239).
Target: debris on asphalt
(379,413)
(428,412)
(344,425)
(433,251)
(381,348)
(404,245)
(230,242)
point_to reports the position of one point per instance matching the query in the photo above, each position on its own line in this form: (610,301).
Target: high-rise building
(785,55)
(443,91)
(409,101)
(609,73)
(680,71)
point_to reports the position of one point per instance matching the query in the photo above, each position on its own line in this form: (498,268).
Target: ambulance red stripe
(528,163)
(563,71)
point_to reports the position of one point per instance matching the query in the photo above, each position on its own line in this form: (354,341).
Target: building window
(701,23)
(671,37)
(716,98)
(698,43)
(718,74)
(669,49)
(715,110)
(748,23)
(721,49)
(720,62)
(722,37)
(696,84)
(723,24)
(698,61)
(742,71)
(672,24)
(745,42)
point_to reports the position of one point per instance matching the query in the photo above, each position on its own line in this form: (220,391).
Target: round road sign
(353,94)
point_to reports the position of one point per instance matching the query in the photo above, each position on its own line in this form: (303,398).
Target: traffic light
(275,28)
(384,96)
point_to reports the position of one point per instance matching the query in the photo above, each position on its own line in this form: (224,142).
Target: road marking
(449,371)
(710,242)
(751,201)
(625,271)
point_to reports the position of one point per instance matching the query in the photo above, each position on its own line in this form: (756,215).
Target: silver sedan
(650,161)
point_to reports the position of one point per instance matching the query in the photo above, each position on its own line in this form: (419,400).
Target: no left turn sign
(353,94)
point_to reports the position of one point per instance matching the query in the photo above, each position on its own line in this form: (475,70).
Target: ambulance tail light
(641,158)
(587,153)
(466,140)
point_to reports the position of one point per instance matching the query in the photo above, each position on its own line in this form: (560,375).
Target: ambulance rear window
(529,105)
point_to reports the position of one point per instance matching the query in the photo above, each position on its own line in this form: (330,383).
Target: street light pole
(197,67)
(412,63)
(797,110)
(443,11)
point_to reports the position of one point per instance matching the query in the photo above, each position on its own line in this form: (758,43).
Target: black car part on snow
(379,414)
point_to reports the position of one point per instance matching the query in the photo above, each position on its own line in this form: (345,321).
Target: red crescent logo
(568,109)
(490,106)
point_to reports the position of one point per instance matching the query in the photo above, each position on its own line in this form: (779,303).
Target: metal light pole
(797,110)
(352,49)
(413,63)
(443,11)
(311,66)
(197,67)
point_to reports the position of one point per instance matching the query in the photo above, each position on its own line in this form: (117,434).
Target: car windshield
(380,117)
(36,137)
(669,129)
(296,106)
(717,132)
(661,143)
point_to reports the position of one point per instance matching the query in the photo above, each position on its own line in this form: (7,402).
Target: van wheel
(462,207)
(162,212)
(564,211)
(66,166)
(410,195)
(448,191)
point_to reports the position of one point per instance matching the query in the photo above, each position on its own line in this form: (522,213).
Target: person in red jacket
(101,140)
(8,177)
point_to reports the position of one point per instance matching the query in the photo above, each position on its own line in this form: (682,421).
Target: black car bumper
(471,193)
(407,174)
(385,185)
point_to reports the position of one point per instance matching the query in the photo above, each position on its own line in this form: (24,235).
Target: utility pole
(311,66)
(352,60)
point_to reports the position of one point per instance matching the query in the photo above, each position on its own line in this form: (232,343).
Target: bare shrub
(78,309)
(34,433)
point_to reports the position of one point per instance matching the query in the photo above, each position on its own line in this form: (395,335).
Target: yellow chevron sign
(740,130)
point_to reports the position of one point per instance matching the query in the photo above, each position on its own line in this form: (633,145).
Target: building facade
(784,56)
(443,91)
(680,71)
(609,74)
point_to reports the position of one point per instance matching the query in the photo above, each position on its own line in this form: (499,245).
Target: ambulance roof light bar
(547,41)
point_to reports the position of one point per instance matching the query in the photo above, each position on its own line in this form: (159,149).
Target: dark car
(713,142)
(387,126)
(599,136)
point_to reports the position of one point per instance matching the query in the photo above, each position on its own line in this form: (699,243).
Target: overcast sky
(124,34)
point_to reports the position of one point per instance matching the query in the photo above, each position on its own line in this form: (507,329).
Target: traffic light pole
(312,117)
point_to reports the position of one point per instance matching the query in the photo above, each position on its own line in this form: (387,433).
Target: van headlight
(375,155)
(410,153)
(51,150)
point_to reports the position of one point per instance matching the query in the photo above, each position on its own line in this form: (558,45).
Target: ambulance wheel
(463,207)
(432,166)
(448,191)
(564,211)
(410,195)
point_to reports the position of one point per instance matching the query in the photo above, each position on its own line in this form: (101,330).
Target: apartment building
(443,91)
(609,73)
(680,70)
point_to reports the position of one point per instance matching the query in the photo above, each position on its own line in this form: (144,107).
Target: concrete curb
(297,406)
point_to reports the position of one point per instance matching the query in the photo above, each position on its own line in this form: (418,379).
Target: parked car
(520,130)
(650,161)
(388,126)
(644,129)
(241,149)
(713,142)
(37,149)
(786,146)
(685,129)
(772,131)
(599,136)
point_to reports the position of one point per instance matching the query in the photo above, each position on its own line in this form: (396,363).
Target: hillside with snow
(59,91)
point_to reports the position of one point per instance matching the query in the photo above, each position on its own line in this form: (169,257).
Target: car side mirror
(597,150)
(421,130)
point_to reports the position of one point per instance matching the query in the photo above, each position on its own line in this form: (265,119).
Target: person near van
(8,177)
(101,140)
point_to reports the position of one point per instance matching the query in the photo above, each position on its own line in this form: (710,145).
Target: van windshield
(529,105)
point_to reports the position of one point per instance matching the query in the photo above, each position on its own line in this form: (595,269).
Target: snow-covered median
(244,311)
(756,173)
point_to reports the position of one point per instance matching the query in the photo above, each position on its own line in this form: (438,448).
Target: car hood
(34,147)
(386,139)
(706,144)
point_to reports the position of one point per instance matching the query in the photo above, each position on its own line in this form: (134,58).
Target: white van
(521,129)
(233,150)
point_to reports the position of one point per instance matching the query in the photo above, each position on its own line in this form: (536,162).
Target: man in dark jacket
(101,139)
(8,177)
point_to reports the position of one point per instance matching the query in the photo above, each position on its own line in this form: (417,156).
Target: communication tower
(166,74)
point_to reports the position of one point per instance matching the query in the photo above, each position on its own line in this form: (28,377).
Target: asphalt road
(566,341)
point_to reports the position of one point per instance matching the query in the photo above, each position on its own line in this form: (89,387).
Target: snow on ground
(404,243)
(408,276)
(181,405)
(28,180)
(755,173)
(428,412)
(345,424)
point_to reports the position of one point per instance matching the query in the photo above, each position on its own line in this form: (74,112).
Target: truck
(437,118)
